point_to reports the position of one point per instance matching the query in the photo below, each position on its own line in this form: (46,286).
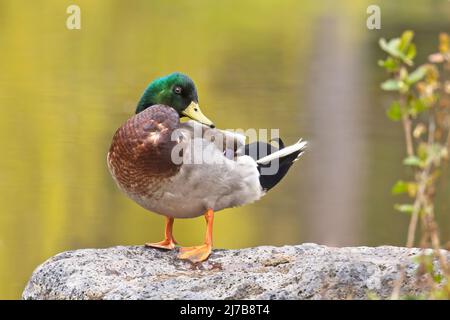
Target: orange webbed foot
(167,244)
(195,254)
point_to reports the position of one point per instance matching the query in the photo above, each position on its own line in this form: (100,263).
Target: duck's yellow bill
(193,111)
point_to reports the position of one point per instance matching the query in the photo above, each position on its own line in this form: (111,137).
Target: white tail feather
(300,145)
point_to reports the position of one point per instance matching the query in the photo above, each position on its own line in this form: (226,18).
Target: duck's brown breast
(139,158)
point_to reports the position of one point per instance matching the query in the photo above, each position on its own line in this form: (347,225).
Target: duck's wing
(230,143)
(141,147)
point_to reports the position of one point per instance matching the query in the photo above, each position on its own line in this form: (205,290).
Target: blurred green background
(306,67)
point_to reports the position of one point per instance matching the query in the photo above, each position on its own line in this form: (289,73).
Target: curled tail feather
(266,154)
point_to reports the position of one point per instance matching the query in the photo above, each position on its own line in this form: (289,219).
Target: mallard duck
(152,159)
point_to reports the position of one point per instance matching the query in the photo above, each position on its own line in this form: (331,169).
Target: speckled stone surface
(306,271)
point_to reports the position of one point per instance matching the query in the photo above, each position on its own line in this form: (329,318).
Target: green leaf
(405,187)
(389,64)
(417,75)
(411,53)
(400,187)
(413,161)
(427,262)
(405,208)
(395,111)
(406,39)
(422,150)
(416,107)
(383,44)
(392,85)
(437,278)
(412,189)
(393,48)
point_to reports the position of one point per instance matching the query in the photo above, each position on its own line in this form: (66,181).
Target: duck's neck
(146,101)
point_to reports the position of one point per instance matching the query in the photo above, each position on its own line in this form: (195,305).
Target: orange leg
(169,242)
(200,253)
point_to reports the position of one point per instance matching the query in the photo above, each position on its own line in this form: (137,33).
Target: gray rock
(307,271)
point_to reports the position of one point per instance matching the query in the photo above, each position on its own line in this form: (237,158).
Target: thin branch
(407,127)
(420,201)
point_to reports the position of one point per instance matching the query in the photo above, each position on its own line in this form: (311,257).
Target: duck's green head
(177,91)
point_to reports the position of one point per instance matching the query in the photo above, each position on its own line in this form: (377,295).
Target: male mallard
(153,156)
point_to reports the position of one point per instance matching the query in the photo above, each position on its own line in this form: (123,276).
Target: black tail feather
(258,150)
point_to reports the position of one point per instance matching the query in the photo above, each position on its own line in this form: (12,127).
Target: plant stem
(407,129)
(407,126)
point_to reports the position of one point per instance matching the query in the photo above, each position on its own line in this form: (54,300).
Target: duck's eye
(177,90)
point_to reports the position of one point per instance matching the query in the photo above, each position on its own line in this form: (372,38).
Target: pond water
(305,67)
